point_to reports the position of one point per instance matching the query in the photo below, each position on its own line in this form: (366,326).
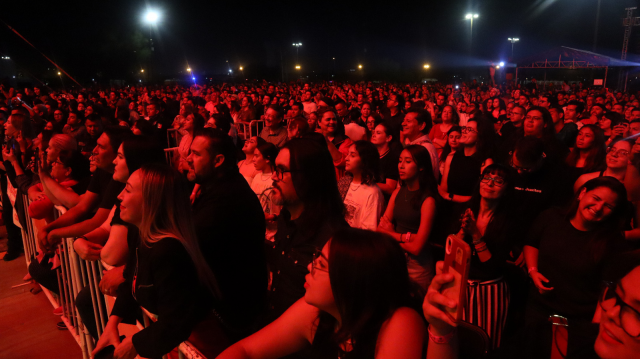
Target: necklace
(355,187)
(384,154)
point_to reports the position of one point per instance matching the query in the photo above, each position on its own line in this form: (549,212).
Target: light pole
(151,17)
(513,40)
(470,17)
(297,45)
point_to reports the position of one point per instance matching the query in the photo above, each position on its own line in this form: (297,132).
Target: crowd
(262,220)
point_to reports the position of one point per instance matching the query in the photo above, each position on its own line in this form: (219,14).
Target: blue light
(501,63)
(193,78)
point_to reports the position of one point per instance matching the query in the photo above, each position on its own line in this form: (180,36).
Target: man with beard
(305,186)
(101,193)
(230,226)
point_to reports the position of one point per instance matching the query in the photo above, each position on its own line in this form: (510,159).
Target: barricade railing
(249,129)
(170,155)
(74,274)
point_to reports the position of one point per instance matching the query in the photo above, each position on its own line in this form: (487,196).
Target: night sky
(108,39)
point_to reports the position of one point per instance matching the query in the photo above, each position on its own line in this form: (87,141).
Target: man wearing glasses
(618,316)
(304,184)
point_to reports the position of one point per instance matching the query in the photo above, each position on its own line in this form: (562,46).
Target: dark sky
(98,38)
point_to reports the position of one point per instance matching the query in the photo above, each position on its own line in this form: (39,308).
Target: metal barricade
(29,233)
(249,129)
(73,275)
(173,137)
(170,154)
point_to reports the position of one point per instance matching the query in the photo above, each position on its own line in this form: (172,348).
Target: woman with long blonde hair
(166,272)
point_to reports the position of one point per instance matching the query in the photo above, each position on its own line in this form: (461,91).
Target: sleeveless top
(464,172)
(407,218)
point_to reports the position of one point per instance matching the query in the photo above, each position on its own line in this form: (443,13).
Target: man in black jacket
(230,225)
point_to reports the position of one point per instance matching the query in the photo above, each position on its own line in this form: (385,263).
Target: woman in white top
(363,200)
(192,123)
(247,169)
(264,159)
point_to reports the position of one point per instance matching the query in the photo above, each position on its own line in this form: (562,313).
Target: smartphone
(457,259)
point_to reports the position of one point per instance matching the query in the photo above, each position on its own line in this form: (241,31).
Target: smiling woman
(569,285)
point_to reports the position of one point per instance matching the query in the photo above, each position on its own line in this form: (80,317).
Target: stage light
(297,67)
(426,66)
(189,69)
(502,63)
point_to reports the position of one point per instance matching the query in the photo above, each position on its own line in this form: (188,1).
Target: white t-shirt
(355,132)
(310,106)
(260,186)
(364,206)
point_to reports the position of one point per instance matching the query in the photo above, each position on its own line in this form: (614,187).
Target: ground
(28,326)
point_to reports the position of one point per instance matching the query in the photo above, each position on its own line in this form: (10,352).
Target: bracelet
(440,340)
(531,269)
(480,247)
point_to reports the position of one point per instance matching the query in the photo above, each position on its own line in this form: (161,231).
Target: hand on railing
(111,279)
(87,250)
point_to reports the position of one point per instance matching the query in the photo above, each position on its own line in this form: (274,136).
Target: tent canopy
(570,58)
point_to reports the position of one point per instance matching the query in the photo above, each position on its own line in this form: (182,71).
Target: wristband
(440,340)
(531,269)
(407,237)
(451,196)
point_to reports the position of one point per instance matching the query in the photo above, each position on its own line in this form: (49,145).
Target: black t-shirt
(566,258)
(535,192)
(464,173)
(103,184)
(389,164)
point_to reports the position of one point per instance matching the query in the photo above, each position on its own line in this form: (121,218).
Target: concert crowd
(311,220)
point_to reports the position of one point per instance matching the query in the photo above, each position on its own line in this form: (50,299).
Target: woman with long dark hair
(487,229)
(438,133)
(588,155)
(462,169)
(617,161)
(453,143)
(411,210)
(362,198)
(337,142)
(357,305)
(566,254)
(264,158)
(389,148)
(170,277)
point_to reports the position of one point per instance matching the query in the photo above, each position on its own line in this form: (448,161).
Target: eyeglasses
(314,264)
(468,130)
(520,169)
(628,317)
(497,181)
(280,172)
(617,152)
